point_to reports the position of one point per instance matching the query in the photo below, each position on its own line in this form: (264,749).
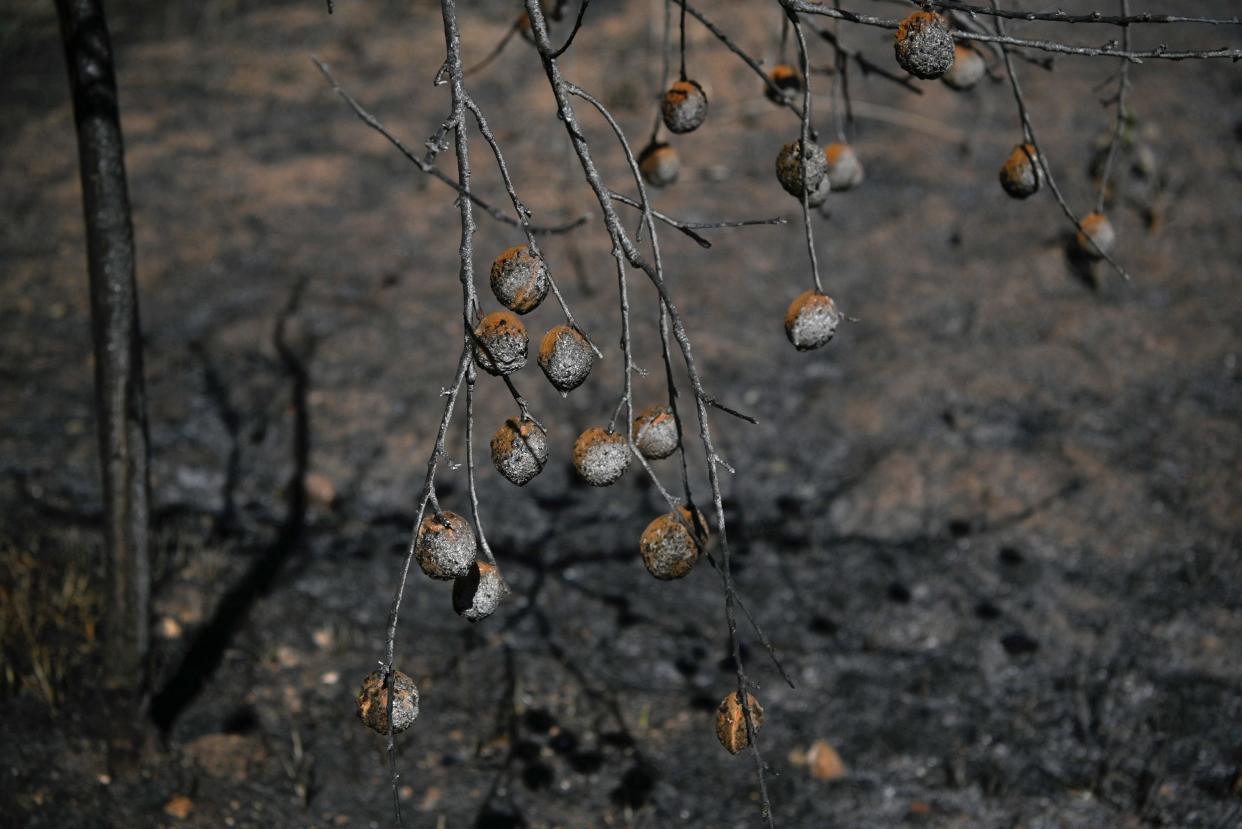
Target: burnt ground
(993,529)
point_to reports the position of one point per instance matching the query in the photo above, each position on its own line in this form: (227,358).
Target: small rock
(179,807)
(824,761)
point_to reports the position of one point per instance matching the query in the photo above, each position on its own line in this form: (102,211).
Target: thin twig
(431,170)
(1123,85)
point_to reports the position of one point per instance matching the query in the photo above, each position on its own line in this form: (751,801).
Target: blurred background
(992,528)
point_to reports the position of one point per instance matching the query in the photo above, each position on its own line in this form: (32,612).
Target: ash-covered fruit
(446,548)
(477,594)
(787,79)
(565,357)
(601,457)
(669,549)
(811,321)
(731,721)
(924,47)
(1020,175)
(519,279)
(790,171)
(845,169)
(372,702)
(655,432)
(684,107)
(967,70)
(1099,229)
(659,164)
(519,450)
(500,343)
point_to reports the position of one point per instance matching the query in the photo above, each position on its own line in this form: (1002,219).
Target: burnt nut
(659,164)
(811,320)
(500,343)
(446,547)
(519,450)
(669,550)
(1098,229)
(601,457)
(967,70)
(789,167)
(372,702)
(655,432)
(1020,175)
(845,170)
(924,47)
(684,107)
(566,358)
(519,279)
(785,78)
(731,721)
(477,594)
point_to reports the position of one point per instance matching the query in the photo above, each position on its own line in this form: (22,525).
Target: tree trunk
(120,399)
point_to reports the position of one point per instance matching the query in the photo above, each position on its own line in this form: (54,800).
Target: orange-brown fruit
(1096,228)
(684,107)
(519,450)
(601,457)
(845,170)
(923,46)
(500,343)
(446,547)
(372,702)
(1020,175)
(669,549)
(477,594)
(659,164)
(811,320)
(565,357)
(731,721)
(794,171)
(655,432)
(519,279)
(785,78)
(967,70)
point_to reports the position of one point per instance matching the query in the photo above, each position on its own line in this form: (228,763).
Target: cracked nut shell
(731,721)
(372,702)
(477,594)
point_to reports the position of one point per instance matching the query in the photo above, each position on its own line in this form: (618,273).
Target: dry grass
(49,610)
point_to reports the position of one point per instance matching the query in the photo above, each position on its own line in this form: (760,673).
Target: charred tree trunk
(120,399)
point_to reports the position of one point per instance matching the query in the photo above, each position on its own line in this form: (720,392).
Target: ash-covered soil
(992,529)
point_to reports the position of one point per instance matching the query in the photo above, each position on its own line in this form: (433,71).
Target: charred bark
(120,398)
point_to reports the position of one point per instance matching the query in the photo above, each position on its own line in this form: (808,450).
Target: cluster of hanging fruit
(446,547)
(924,47)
